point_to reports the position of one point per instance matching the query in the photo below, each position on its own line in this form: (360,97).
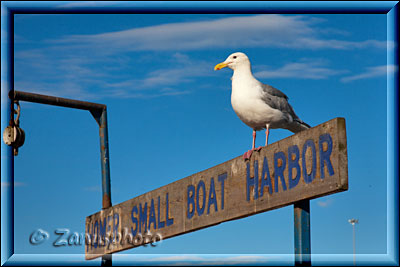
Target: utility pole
(353,222)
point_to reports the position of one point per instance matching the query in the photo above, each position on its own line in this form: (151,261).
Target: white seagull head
(234,61)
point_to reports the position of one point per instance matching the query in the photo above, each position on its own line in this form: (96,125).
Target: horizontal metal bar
(56,101)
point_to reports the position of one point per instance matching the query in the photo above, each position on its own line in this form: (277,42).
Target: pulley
(13,135)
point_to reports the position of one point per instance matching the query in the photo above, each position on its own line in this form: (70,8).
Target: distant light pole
(353,222)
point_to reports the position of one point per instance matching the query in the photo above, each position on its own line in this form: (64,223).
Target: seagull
(258,105)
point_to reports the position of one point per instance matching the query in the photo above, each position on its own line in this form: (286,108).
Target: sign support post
(302,240)
(100,116)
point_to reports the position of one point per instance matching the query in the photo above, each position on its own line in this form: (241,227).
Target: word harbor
(310,164)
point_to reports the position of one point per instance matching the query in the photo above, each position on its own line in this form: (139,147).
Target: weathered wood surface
(228,191)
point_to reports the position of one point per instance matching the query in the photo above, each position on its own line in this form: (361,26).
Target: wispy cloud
(163,81)
(181,70)
(325,203)
(109,65)
(305,69)
(371,72)
(93,77)
(299,32)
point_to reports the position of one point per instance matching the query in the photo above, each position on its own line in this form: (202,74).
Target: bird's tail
(298,126)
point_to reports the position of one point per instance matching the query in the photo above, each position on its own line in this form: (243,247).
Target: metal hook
(18,112)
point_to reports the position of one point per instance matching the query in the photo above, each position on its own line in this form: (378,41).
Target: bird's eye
(234,57)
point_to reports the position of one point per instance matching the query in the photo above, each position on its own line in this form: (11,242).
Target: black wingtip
(305,124)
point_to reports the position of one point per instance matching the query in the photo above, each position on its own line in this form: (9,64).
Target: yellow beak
(220,66)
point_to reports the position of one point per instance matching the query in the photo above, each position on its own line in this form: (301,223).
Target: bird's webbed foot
(248,154)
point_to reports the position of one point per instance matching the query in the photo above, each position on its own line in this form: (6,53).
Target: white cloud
(305,69)
(93,77)
(179,72)
(91,67)
(163,81)
(299,32)
(326,203)
(371,72)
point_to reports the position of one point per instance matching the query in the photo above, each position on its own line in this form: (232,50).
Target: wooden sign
(307,165)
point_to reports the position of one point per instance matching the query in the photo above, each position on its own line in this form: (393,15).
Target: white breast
(248,105)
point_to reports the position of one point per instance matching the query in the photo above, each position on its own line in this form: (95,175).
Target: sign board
(307,165)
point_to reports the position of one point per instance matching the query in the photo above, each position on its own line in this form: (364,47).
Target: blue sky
(170,116)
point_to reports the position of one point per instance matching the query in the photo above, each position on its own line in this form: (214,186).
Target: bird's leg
(254,139)
(266,135)
(254,142)
(247,154)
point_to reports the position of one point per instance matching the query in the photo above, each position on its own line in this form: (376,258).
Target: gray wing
(278,100)
(268,89)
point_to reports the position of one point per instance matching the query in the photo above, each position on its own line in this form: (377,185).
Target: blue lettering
(92,236)
(265,178)
(308,178)
(152,215)
(115,225)
(221,179)
(134,220)
(161,224)
(142,217)
(190,201)
(212,199)
(88,228)
(203,186)
(293,164)
(170,221)
(279,170)
(325,155)
(252,181)
(96,233)
(109,227)
(102,228)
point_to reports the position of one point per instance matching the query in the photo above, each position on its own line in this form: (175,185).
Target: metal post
(106,260)
(99,112)
(302,240)
(354,244)
(105,160)
(353,223)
